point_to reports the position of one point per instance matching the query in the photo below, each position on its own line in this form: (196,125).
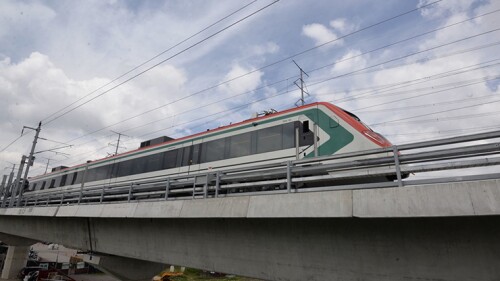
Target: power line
(161,62)
(154,57)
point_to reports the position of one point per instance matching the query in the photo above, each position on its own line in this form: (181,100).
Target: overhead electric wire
(485,79)
(314,83)
(406,39)
(162,61)
(406,56)
(156,108)
(437,1)
(427,105)
(432,113)
(274,63)
(154,57)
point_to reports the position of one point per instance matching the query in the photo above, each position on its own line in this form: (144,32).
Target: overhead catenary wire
(161,62)
(315,83)
(154,57)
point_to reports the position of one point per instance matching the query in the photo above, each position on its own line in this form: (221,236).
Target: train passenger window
(63,180)
(52,183)
(43,185)
(57,182)
(240,145)
(124,168)
(288,135)
(102,172)
(195,159)
(138,165)
(33,186)
(73,180)
(79,177)
(169,159)
(90,175)
(186,156)
(154,162)
(305,127)
(269,139)
(213,150)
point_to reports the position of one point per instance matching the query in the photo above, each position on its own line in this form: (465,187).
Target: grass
(199,275)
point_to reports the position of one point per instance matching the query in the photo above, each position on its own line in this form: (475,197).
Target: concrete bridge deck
(445,231)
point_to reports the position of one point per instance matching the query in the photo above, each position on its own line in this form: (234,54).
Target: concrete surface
(429,232)
(435,200)
(15,260)
(125,269)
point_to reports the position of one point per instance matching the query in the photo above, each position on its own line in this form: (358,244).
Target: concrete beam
(478,198)
(458,248)
(14,240)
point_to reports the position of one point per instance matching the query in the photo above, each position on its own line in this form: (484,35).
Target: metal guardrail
(378,168)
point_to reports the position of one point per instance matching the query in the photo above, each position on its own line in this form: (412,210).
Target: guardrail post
(102,194)
(36,201)
(217,183)
(205,187)
(289,176)
(62,199)
(80,196)
(48,200)
(130,191)
(167,188)
(398,167)
(25,202)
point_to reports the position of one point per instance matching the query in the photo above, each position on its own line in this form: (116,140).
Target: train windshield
(357,119)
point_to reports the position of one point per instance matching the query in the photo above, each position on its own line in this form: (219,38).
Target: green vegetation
(199,275)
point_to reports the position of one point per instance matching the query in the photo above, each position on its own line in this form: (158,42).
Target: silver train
(316,129)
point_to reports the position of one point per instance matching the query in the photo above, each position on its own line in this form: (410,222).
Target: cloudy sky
(87,69)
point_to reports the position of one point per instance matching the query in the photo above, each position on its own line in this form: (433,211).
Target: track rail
(377,168)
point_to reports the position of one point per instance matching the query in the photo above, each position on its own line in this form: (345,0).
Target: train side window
(305,127)
(43,185)
(154,162)
(306,136)
(215,150)
(288,135)
(195,158)
(102,172)
(34,186)
(186,156)
(52,183)
(240,145)
(91,175)
(79,177)
(63,180)
(269,139)
(170,159)
(73,179)
(124,168)
(138,165)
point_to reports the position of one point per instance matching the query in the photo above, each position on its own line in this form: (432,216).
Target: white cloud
(342,25)
(320,34)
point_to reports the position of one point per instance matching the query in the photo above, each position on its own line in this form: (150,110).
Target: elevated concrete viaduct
(446,231)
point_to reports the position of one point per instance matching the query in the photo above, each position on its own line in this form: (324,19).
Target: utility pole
(8,187)
(118,142)
(2,185)
(47,166)
(29,163)
(15,185)
(301,86)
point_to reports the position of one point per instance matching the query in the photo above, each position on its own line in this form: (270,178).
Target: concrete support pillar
(15,260)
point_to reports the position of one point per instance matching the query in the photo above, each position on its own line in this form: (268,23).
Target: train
(312,130)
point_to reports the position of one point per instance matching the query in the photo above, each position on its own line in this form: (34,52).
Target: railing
(376,168)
